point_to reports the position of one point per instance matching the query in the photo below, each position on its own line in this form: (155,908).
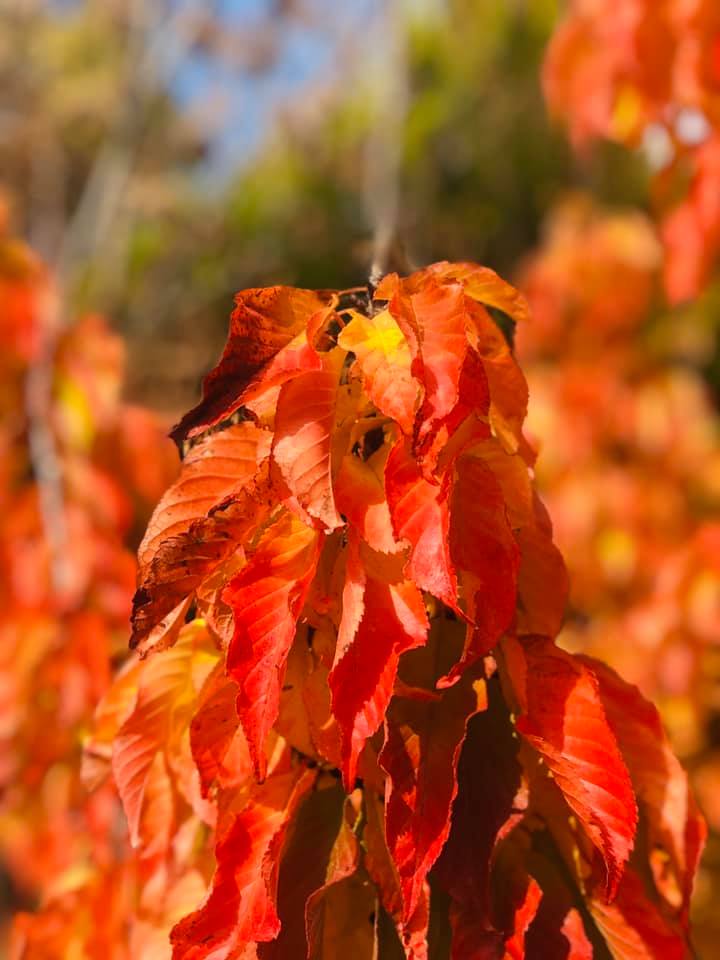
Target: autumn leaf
(383,358)
(304,866)
(524,915)
(299,356)
(302,443)
(340,914)
(573,930)
(479,283)
(561,715)
(421,752)
(240,907)
(485,286)
(465,425)
(634,927)
(360,498)
(380,620)
(507,384)
(266,597)
(675,829)
(542,583)
(182,563)
(542,578)
(486,558)
(479,817)
(421,517)
(263,322)
(144,748)
(217,742)
(527,856)
(214,467)
(436,314)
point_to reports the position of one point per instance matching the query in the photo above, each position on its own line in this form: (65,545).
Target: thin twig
(385,144)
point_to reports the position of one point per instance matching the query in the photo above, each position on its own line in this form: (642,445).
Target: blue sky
(306,55)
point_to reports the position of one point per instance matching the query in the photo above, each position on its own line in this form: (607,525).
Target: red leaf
(380,620)
(420,516)
(438,315)
(263,322)
(414,934)
(293,720)
(267,597)
(542,579)
(557,931)
(297,357)
(240,907)
(562,717)
(421,752)
(573,929)
(466,424)
(508,387)
(378,859)
(486,557)
(304,425)
(524,915)
(435,336)
(634,928)
(675,830)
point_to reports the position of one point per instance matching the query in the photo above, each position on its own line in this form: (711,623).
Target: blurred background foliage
(127,161)
(162,155)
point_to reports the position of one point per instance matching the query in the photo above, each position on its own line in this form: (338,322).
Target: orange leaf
(302,445)
(215,467)
(149,739)
(384,361)
(182,563)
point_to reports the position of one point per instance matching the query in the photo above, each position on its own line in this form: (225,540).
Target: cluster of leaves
(347,729)
(651,76)
(629,467)
(78,472)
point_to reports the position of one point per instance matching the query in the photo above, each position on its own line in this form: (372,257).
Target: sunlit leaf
(263,322)
(561,715)
(381,619)
(266,597)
